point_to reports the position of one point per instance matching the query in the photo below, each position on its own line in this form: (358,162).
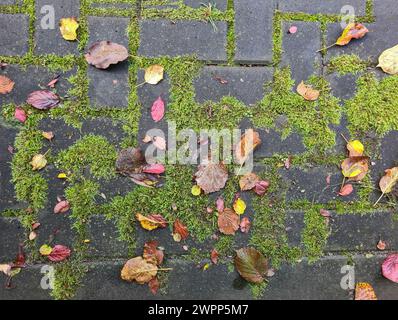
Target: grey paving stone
(253,31)
(344,86)
(325,7)
(219,4)
(7,2)
(26,285)
(310,184)
(7,195)
(50,40)
(30,79)
(355,232)
(14,34)
(299,50)
(110,87)
(245,84)
(11,235)
(120,5)
(167,38)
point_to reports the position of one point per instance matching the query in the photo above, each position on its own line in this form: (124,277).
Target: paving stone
(7,195)
(219,4)
(244,84)
(253,31)
(14,34)
(110,87)
(104,242)
(344,86)
(120,5)
(30,79)
(26,285)
(48,39)
(7,2)
(324,7)
(300,50)
(310,184)
(11,235)
(167,38)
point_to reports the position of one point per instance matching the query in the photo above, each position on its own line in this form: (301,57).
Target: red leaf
(214,256)
(325,213)
(245,225)
(20,115)
(261,187)
(154,285)
(62,207)
(346,190)
(20,259)
(158,110)
(220,204)
(390,267)
(154,168)
(43,99)
(59,253)
(152,254)
(181,229)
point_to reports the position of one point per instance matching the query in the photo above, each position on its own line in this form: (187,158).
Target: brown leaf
(214,256)
(130,160)
(381,245)
(211,177)
(364,291)
(102,54)
(228,222)
(248,142)
(389,180)
(62,206)
(248,181)
(346,190)
(152,221)
(307,92)
(355,168)
(180,229)
(43,99)
(251,265)
(245,225)
(139,270)
(154,285)
(152,254)
(352,31)
(6,85)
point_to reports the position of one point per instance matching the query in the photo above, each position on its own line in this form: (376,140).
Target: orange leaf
(364,291)
(307,92)
(181,229)
(228,222)
(248,142)
(6,85)
(352,31)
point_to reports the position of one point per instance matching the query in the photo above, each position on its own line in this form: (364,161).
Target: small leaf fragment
(62,206)
(364,291)
(214,256)
(346,190)
(181,229)
(152,221)
(49,135)
(245,225)
(20,114)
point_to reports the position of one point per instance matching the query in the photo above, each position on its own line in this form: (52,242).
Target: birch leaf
(388,60)
(68,28)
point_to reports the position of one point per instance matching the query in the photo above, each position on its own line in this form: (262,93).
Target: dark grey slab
(50,40)
(11,235)
(324,6)
(120,5)
(110,87)
(14,34)
(245,84)
(30,79)
(7,195)
(178,38)
(299,50)
(344,86)
(219,4)
(253,31)
(310,184)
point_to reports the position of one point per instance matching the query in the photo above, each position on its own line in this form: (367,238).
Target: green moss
(347,64)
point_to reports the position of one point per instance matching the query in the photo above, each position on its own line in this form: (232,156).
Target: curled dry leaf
(62,206)
(211,177)
(154,74)
(152,254)
(152,221)
(389,180)
(307,92)
(59,253)
(261,187)
(388,61)
(325,213)
(157,110)
(139,270)
(251,265)
(346,190)
(20,114)
(248,142)
(352,31)
(390,267)
(43,99)
(156,168)
(245,225)
(6,85)
(53,82)
(228,222)
(38,162)
(214,256)
(355,168)
(102,54)
(364,291)
(68,28)
(180,229)
(248,181)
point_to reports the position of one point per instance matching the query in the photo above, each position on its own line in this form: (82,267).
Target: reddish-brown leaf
(211,177)
(228,222)
(62,206)
(245,225)
(214,256)
(251,265)
(248,142)
(364,291)
(346,190)
(20,114)
(43,99)
(248,181)
(59,253)
(390,267)
(53,82)
(152,254)
(352,31)
(220,204)
(154,285)
(180,229)
(102,54)
(381,245)
(261,187)
(6,85)
(154,168)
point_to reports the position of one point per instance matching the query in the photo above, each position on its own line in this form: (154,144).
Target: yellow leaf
(206,266)
(239,206)
(87,241)
(49,135)
(196,190)
(151,222)
(388,60)
(38,162)
(356,148)
(154,74)
(68,27)
(62,176)
(45,250)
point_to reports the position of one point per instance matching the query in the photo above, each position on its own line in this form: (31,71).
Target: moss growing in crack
(315,234)
(91,151)
(374,106)
(347,63)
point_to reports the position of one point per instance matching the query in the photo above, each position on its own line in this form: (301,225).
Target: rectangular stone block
(178,38)
(11,235)
(322,6)
(14,34)
(244,84)
(110,87)
(253,31)
(47,36)
(219,4)
(7,2)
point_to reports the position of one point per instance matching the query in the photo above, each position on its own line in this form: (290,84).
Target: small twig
(344,138)
(378,200)
(326,48)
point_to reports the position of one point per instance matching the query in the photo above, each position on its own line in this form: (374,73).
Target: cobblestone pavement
(247,44)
